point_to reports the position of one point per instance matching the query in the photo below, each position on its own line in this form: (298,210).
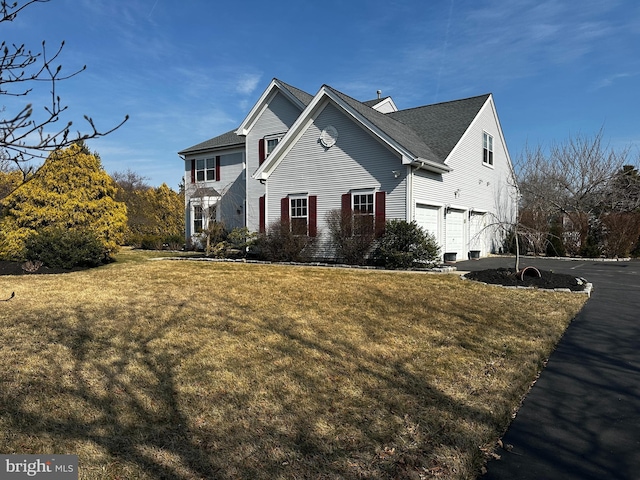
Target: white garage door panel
(427,217)
(455,232)
(476,232)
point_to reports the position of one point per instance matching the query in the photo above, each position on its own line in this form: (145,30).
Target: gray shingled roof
(205,192)
(374,102)
(398,131)
(428,132)
(301,95)
(229,139)
(441,125)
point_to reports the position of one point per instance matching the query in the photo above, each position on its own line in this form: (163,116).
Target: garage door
(427,218)
(477,233)
(454,225)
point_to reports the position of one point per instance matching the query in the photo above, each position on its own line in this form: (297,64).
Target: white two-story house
(300,156)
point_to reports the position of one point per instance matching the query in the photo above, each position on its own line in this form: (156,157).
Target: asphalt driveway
(581,419)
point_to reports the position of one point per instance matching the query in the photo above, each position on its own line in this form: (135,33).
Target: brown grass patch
(196,370)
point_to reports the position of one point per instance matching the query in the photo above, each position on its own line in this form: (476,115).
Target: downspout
(246,187)
(410,199)
(266,205)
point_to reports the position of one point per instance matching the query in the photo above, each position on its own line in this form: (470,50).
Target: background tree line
(155,215)
(579,197)
(69,212)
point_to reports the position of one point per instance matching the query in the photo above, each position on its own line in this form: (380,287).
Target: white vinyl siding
(231,185)
(470,186)
(358,161)
(277,118)
(231,207)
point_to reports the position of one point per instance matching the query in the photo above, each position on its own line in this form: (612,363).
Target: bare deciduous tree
(25,136)
(574,175)
(581,180)
(624,190)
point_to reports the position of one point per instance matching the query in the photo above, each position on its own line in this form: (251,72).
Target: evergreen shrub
(405,245)
(61,248)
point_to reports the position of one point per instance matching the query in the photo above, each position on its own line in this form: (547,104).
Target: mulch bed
(508,277)
(15,268)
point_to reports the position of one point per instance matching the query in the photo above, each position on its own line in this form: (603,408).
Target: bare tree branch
(8,11)
(23,137)
(579,182)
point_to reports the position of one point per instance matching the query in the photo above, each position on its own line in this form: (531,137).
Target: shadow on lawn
(126,398)
(132,422)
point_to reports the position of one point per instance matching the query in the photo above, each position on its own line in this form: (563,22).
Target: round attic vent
(329,136)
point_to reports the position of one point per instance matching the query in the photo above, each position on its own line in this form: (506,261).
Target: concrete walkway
(581,419)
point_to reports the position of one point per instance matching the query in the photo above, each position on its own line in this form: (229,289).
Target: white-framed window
(364,212)
(363,209)
(487,149)
(362,203)
(198,218)
(299,214)
(205,169)
(203,215)
(270,143)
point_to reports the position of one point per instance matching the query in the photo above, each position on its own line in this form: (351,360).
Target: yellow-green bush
(71,191)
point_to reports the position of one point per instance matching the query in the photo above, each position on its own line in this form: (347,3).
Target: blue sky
(190,70)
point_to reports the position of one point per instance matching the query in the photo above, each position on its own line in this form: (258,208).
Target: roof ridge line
(442,103)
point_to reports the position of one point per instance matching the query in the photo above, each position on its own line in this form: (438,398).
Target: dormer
(382,105)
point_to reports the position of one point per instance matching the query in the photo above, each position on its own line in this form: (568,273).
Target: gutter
(423,163)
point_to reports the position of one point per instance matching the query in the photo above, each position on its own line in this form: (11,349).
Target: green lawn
(191,370)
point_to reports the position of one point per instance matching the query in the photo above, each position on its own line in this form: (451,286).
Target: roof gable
(397,132)
(234,138)
(394,133)
(423,136)
(384,105)
(442,125)
(296,96)
(304,97)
